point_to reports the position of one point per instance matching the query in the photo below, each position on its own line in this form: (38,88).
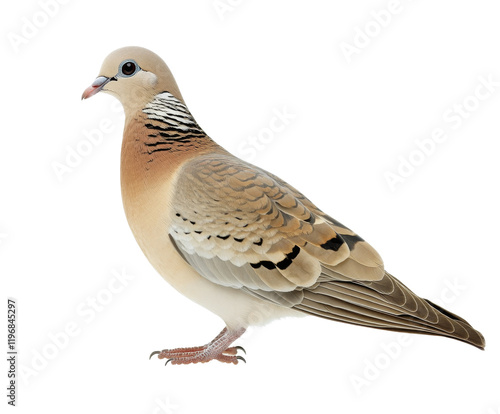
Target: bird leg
(216,349)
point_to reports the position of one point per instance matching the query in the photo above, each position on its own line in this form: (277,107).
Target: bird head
(134,75)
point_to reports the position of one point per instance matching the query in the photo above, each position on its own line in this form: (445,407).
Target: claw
(241,358)
(168,360)
(243,349)
(156,353)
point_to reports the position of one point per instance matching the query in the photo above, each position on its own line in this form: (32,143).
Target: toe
(154,353)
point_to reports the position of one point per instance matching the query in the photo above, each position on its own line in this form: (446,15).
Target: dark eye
(128,68)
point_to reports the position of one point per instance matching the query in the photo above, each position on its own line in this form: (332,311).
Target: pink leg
(217,349)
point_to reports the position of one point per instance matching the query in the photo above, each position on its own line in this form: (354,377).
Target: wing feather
(242,227)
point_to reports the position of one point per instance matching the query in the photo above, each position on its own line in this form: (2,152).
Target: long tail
(385,304)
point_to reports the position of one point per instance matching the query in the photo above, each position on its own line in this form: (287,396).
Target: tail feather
(386,304)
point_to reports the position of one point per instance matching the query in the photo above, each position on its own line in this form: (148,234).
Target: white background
(63,239)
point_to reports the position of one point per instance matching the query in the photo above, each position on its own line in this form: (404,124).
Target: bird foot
(217,349)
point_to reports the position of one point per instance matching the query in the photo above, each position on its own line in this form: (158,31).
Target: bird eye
(128,68)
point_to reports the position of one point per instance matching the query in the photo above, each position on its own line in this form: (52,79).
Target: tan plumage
(237,239)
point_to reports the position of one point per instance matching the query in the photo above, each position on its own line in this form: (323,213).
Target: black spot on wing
(266,263)
(287,261)
(333,244)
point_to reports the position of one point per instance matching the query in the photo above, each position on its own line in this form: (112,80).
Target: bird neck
(171,127)
(165,127)
(157,140)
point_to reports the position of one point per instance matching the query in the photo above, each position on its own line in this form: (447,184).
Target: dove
(237,239)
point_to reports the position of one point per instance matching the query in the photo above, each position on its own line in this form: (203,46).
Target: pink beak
(96,86)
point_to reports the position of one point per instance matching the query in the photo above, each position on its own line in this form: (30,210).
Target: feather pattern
(252,231)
